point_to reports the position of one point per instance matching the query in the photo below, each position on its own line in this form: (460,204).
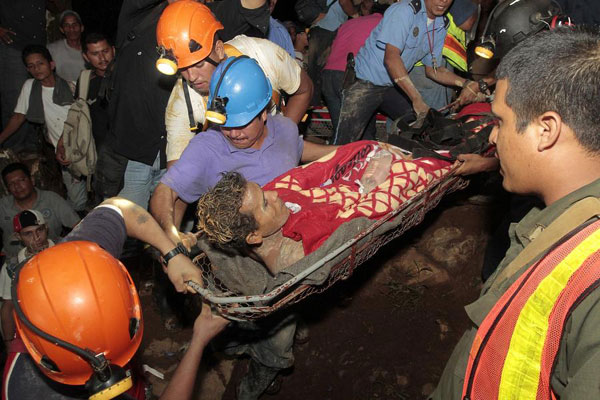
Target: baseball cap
(27,218)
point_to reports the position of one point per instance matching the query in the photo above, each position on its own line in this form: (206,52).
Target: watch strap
(179,249)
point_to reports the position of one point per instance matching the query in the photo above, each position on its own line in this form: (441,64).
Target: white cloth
(280,68)
(69,61)
(54,115)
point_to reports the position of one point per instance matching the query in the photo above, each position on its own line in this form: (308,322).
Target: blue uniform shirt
(334,18)
(403,28)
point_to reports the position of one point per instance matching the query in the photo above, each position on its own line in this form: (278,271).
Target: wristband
(484,87)
(179,249)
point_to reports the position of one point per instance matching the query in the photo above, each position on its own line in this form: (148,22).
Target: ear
(52,65)
(549,126)
(220,50)
(61,30)
(254,238)
(263,116)
(85,57)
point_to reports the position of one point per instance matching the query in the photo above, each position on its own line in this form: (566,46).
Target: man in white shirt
(67,52)
(46,99)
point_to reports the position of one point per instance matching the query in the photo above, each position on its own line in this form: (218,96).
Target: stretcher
(342,260)
(239,288)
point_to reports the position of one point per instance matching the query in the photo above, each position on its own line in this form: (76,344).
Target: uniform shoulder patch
(415,5)
(446,21)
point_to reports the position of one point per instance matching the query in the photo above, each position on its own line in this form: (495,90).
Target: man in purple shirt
(250,141)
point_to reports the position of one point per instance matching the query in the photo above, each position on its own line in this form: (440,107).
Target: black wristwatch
(483,87)
(179,249)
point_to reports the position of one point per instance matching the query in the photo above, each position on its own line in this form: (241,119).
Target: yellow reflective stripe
(521,370)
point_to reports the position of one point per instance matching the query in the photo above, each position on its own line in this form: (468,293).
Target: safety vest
(514,349)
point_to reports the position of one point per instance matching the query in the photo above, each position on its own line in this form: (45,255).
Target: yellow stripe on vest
(520,374)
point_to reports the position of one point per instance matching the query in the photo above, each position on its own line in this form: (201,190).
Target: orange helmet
(185,35)
(80,294)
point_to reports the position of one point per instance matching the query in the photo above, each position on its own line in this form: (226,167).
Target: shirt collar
(538,219)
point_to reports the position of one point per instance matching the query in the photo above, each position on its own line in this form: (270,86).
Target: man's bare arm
(14,123)
(299,101)
(162,207)
(399,74)
(313,151)
(140,225)
(206,327)
(349,8)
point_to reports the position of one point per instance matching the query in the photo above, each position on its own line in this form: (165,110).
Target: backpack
(308,10)
(80,148)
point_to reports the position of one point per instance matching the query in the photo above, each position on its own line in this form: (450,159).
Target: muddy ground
(384,333)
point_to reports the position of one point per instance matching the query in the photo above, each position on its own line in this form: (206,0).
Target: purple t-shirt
(209,154)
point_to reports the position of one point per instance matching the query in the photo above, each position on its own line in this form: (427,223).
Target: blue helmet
(239,91)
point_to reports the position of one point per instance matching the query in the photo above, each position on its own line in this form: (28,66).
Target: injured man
(293,215)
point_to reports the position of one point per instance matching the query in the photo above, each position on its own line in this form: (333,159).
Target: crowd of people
(201,102)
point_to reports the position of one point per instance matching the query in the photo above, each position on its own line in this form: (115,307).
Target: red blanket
(326,193)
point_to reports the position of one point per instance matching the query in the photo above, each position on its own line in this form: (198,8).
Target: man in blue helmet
(251,141)
(260,146)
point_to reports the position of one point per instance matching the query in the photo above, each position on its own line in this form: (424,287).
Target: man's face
(71,28)
(266,207)
(302,39)
(251,135)
(99,54)
(19,185)
(437,8)
(38,66)
(515,150)
(35,238)
(198,76)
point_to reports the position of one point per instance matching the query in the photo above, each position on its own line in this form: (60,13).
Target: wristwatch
(483,87)
(179,249)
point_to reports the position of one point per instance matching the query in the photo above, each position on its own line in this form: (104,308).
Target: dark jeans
(332,93)
(110,170)
(319,47)
(359,103)
(269,344)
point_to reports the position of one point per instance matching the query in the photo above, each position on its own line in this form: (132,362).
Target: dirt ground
(384,333)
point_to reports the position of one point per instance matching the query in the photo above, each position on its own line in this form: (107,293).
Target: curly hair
(219,215)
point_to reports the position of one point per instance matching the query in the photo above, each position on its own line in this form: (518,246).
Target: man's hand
(420,107)
(208,325)
(470,94)
(181,269)
(5,35)
(470,164)
(60,153)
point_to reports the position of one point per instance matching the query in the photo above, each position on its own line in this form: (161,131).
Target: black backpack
(308,10)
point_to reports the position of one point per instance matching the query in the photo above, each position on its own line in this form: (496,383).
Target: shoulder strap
(84,83)
(573,217)
(188,104)
(231,51)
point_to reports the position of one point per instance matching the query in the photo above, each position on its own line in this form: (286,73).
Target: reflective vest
(455,45)
(515,347)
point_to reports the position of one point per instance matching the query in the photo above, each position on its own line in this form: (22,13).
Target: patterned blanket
(326,193)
